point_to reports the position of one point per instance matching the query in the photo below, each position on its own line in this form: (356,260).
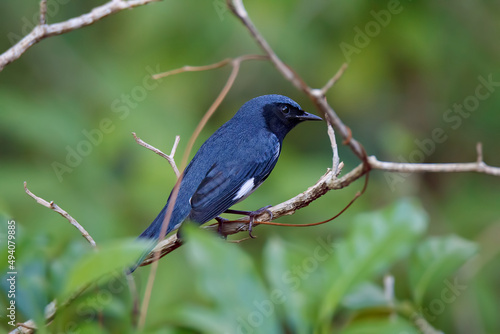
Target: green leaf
(375,242)
(32,293)
(106,259)
(281,260)
(228,279)
(435,259)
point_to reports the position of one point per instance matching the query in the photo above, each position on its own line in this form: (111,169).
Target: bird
(232,163)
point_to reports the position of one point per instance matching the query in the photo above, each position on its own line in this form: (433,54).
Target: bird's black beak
(308,117)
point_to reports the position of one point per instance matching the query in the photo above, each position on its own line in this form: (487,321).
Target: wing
(229,183)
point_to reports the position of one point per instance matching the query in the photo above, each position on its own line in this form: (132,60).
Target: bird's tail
(153,230)
(152,233)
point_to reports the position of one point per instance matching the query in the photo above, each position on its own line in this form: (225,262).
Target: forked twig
(168,157)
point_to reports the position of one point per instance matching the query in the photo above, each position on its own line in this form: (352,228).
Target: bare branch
(174,147)
(336,159)
(317,96)
(56,208)
(188,68)
(219,64)
(43,30)
(334,79)
(169,158)
(479,152)
(478,167)
(43,12)
(29,326)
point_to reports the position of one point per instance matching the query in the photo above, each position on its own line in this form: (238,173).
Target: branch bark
(479,166)
(44,30)
(56,208)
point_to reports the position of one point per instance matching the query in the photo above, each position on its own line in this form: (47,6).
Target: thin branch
(43,30)
(56,208)
(29,326)
(317,96)
(239,240)
(479,152)
(334,79)
(336,159)
(188,68)
(477,166)
(213,66)
(168,157)
(50,310)
(43,12)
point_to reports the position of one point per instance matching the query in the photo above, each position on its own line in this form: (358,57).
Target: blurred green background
(405,75)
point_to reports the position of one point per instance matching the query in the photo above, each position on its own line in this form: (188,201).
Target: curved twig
(44,30)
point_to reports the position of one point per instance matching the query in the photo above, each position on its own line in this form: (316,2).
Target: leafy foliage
(435,259)
(108,259)
(301,289)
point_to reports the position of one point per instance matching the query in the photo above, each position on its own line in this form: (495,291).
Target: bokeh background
(399,88)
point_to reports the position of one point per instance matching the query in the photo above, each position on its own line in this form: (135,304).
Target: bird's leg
(221,221)
(251,216)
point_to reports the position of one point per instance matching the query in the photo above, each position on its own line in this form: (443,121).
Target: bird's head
(280,113)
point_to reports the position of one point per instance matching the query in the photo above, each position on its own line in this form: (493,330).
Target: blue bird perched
(233,162)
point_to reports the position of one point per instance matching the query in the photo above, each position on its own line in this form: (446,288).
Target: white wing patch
(245,189)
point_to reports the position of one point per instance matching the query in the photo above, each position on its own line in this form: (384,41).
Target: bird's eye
(285,109)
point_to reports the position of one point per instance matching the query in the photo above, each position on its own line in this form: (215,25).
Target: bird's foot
(221,221)
(251,216)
